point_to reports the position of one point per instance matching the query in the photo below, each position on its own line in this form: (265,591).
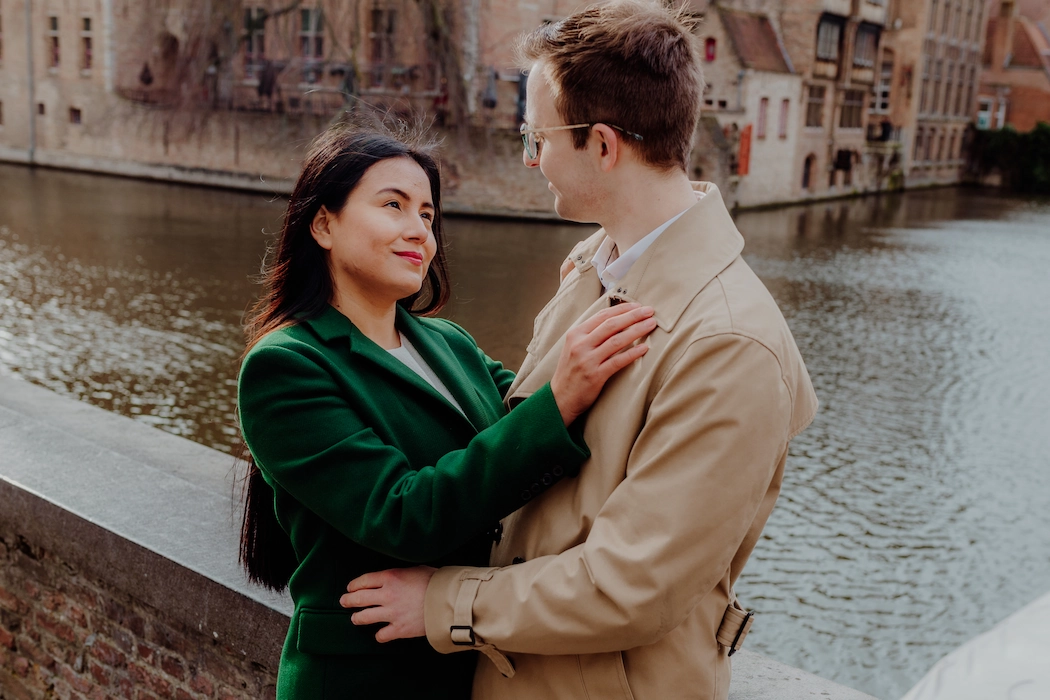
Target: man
(619,583)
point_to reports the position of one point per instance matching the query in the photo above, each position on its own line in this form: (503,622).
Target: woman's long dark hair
(297,285)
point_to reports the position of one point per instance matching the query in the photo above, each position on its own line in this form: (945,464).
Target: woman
(378,436)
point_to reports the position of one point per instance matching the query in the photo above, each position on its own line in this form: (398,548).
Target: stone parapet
(119,575)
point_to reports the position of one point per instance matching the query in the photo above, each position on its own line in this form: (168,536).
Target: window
(958,110)
(1,113)
(807,172)
(1,34)
(829,34)
(852,108)
(782,122)
(924,100)
(815,105)
(928,150)
(40,109)
(946,18)
(254,40)
(969,90)
(710,46)
(382,39)
(881,103)
(940,147)
(984,113)
(933,16)
(86,56)
(74,115)
(936,102)
(949,83)
(311,42)
(918,144)
(864,53)
(54,54)
(969,21)
(763,116)
(951,147)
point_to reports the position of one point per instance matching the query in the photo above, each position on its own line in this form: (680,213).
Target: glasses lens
(529,141)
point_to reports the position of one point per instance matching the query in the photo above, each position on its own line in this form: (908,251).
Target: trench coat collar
(693,250)
(332,325)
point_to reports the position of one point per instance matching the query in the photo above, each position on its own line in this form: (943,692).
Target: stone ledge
(154,515)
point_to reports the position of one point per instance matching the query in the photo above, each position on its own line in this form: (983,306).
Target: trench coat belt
(736,623)
(462,629)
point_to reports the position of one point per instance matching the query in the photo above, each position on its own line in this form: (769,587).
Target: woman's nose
(528,160)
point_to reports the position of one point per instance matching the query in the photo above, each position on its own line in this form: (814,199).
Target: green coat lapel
(436,351)
(332,324)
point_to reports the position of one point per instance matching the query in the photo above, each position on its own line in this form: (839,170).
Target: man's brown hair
(634,64)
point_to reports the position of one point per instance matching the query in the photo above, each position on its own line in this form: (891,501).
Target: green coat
(372,469)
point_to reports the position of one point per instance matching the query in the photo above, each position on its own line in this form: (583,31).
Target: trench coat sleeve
(311,442)
(715,431)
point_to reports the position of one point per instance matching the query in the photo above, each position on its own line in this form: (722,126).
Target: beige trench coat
(614,584)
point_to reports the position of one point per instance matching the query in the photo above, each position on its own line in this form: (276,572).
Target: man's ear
(320,228)
(608,146)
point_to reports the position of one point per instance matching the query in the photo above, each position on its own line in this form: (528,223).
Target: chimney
(1003,38)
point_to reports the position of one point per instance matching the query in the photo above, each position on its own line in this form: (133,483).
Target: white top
(411,358)
(611,268)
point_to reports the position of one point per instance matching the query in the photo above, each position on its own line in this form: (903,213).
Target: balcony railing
(883,132)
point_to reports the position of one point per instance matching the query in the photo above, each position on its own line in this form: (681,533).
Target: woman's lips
(414,258)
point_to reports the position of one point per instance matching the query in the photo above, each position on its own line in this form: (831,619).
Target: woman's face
(381,243)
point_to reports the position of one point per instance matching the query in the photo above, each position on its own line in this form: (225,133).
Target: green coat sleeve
(310,441)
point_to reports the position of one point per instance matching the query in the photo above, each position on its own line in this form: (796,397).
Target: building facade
(753,92)
(806,98)
(1015,80)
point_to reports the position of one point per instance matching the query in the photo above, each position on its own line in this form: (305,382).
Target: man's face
(570,173)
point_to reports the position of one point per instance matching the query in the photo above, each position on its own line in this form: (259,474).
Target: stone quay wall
(119,575)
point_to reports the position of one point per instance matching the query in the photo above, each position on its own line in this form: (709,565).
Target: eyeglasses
(532,145)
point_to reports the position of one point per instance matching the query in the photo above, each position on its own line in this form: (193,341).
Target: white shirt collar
(611,272)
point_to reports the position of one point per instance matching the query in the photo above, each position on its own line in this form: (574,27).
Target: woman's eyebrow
(402,195)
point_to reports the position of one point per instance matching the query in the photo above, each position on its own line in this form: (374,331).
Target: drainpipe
(32,85)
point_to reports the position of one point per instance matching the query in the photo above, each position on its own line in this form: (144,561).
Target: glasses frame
(533,154)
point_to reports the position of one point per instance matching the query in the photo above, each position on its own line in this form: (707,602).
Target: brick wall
(64,634)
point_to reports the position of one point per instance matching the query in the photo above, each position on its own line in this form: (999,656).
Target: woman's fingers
(626,337)
(615,326)
(607,314)
(621,359)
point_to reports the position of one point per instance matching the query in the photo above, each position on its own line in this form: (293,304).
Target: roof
(755,41)
(1031,45)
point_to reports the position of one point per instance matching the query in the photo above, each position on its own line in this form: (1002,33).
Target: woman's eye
(394,203)
(427,215)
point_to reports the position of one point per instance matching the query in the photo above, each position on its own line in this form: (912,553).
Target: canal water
(915,511)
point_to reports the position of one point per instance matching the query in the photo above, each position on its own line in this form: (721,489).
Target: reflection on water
(915,509)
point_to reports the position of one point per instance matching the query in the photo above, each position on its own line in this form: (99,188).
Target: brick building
(753,92)
(1015,80)
(837,96)
(931,58)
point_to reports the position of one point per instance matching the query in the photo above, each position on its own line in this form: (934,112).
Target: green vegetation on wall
(1023,159)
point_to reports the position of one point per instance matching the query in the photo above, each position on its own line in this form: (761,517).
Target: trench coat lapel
(332,325)
(697,247)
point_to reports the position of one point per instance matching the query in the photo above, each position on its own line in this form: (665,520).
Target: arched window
(807,172)
(918,144)
(709,49)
